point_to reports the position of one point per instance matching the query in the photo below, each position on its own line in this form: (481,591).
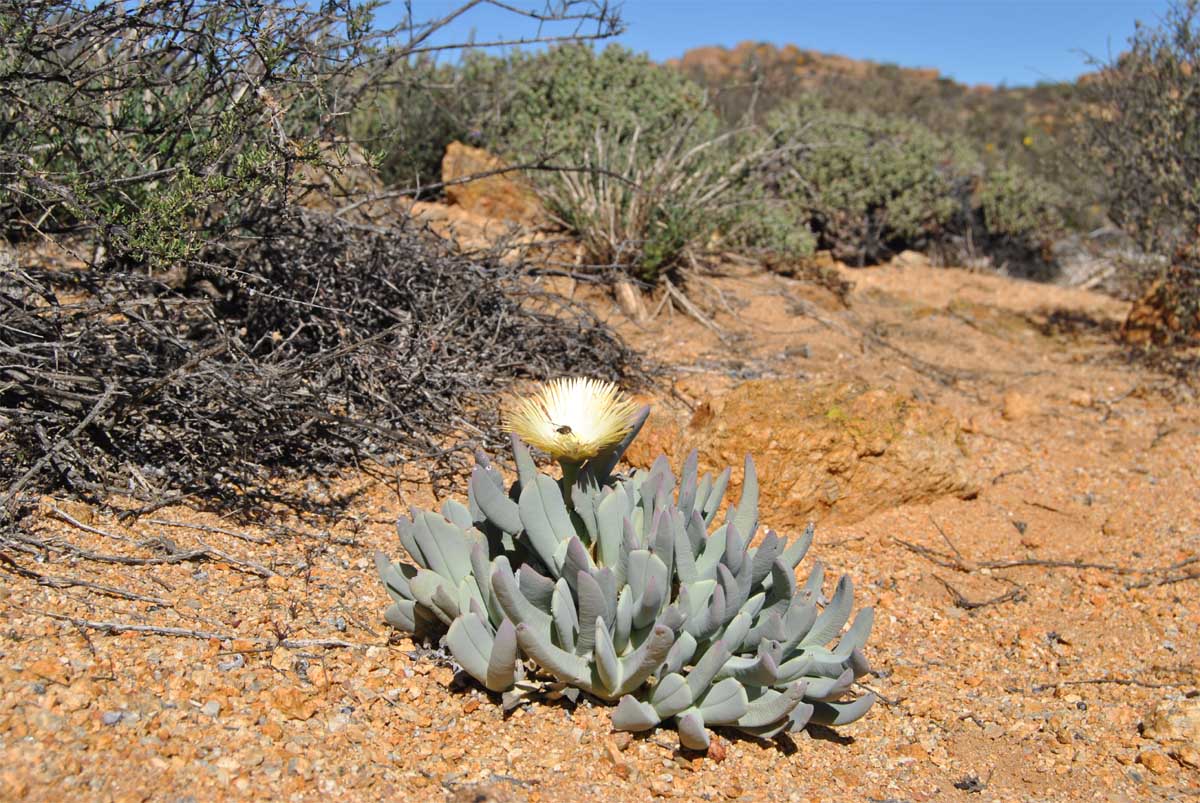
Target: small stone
(622,740)
(613,754)
(1080,398)
(660,788)
(716,749)
(1175,722)
(211,708)
(1188,756)
(470,705)
(277,582)
(1017,406)
(1156,761)
(111,717)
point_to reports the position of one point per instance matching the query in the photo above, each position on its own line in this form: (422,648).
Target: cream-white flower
(572,419)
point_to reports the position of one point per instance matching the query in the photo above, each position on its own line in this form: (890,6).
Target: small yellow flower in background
(1028,141)
(572,419)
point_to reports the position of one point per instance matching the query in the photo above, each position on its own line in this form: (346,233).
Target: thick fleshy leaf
(601,466)
(681,653)
(842,713)
(764,556)
(858,633)
(687,484)
(515,605)
(746,518)
(798,620)
(401,615)
(708,560)
(671,695)
(584,498)
(545,517)
(706,669)
(736,630)
(724,703)
(392,579)
(642,662)
(735,548)
(526,468)
(826,689)
(649,603)
(405,529)
(632,714)
(685,558)
(623,626)
(457,514)
(495,504)
(795,668)
(713,503)
(502,664)
(816,579)
(593,607)
(443,545)
(566,619)
(575,560)
(608,666)
(859,664)
(567,667)
(471,643)
(831,620)
(692,733)
(795,551)
(535,587)
(610,528)
(772,706)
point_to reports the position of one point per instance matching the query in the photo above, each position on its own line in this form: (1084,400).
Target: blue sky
(1015,42)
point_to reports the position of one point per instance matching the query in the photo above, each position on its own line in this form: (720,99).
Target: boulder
(833,451)
(503,196)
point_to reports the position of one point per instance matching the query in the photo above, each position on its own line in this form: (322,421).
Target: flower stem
(570,472)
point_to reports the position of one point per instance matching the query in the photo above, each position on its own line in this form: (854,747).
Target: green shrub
(157,126)
(655,176)
(868,185)
(1018,206)
(555,101)
(409,119)
(1143,125)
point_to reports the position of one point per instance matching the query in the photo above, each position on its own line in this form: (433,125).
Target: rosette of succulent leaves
(631,589)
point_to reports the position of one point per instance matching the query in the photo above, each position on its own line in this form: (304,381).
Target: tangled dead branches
(308,344)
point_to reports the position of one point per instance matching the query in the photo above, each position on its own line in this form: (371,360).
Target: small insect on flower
(572,419)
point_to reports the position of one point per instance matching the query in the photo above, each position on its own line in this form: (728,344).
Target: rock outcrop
(839,450)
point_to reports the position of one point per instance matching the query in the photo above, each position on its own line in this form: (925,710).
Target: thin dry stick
(69,519)
(51,452)
(209,529)
(116,628)
(1014,594)
(1103,681)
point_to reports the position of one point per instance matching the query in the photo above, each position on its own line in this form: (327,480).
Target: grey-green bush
(868,185)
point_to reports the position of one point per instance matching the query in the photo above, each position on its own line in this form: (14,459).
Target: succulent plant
(628,588)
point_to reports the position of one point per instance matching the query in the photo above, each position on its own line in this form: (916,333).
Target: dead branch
(209,529)
(116,628)
(1014,594)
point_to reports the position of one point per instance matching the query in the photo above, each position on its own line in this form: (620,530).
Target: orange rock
(1155,761)
(503,196)
(294,703)
(1017,406)
(52,670)
(837,450)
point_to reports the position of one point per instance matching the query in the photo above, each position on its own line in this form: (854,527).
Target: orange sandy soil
(284,684)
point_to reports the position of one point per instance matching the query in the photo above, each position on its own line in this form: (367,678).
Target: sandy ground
(181,656)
